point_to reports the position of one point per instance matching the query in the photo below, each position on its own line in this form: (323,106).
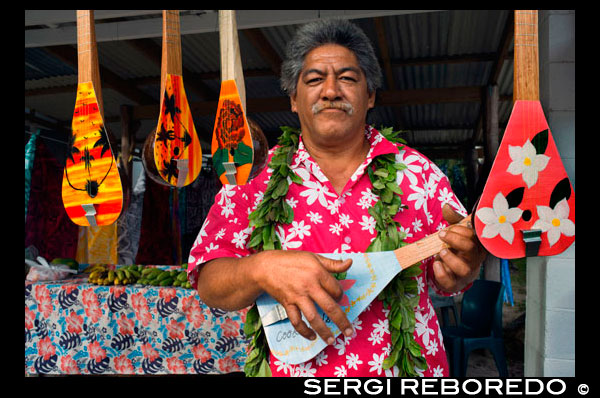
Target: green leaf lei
(400,295)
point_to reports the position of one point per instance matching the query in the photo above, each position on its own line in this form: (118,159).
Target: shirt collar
(379,145)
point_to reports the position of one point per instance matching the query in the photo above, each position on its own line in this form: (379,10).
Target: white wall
(550,303)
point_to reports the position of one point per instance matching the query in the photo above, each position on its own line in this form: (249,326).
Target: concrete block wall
(550,303)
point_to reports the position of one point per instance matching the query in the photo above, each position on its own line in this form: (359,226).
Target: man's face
(330,77)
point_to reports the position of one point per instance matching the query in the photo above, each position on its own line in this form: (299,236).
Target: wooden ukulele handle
(526,61)
(171,61)
(424,248)
(231,60)
(88,69)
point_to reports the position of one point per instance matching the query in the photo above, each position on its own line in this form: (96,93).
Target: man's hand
(299,280)
(456,267)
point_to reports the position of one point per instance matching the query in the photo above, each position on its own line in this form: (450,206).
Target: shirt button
(347,240)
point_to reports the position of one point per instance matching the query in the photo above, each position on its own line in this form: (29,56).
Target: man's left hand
(458,265)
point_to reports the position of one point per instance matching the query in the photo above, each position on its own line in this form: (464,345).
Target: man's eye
(348,78)
(313,80)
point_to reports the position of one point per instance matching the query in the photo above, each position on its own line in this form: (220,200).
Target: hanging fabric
(29,157)
(505,273)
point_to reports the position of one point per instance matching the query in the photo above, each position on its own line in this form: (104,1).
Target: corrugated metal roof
(408,37)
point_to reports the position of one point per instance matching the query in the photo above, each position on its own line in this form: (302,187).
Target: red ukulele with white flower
(528,196)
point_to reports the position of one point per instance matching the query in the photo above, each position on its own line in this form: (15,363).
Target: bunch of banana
(125,275)
(162,277)
(95,267)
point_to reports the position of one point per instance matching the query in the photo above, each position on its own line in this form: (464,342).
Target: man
(331,74)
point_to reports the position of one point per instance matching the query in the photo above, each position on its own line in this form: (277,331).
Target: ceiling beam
(54,17)
(451,59)
(202,21)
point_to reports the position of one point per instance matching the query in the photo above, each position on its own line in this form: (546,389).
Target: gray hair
(329,31)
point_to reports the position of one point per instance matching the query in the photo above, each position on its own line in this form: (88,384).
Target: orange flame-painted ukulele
(92,190)
(527,208)
(232,148)
(177,150)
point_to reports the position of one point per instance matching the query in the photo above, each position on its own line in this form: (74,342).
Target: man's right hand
(299,280)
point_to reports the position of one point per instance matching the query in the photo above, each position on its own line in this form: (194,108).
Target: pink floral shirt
(325,222)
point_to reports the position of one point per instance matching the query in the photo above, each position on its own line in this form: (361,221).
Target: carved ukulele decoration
(177,150)
(92,189)
(527,204)
(232,147)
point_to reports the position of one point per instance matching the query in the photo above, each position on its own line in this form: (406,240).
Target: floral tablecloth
(74,327)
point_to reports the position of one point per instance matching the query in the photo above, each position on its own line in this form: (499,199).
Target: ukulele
(527,207)
(232,147)
(92,186)
(177,150)
(521,212)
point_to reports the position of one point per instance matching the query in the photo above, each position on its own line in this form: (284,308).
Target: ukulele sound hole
(526,215)
(92,188)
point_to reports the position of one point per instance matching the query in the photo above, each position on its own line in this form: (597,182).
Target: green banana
(166,282)
(182,277)
(164,276)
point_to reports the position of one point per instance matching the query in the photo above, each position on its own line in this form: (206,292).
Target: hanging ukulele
(232,147)
(527,207)
(177,150)
(92,188)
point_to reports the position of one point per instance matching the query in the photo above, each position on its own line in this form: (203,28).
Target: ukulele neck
(87,54)
(231,61)
(526,63)
(171,46)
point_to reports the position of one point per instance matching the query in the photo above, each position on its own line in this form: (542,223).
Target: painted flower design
(555,221)
(499,219)
(527,162)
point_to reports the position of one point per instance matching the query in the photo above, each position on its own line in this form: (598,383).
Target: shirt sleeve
(225,232)
(440,193)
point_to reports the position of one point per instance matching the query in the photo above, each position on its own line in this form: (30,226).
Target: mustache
(344,106)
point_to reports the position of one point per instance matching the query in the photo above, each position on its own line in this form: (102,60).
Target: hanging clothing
(156,233)
(97,245)
(195,201)
(47,225)
(130,222)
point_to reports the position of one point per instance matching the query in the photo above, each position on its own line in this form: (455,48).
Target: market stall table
(74,327)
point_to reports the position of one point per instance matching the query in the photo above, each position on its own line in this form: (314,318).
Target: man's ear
(293,103)
(371,101)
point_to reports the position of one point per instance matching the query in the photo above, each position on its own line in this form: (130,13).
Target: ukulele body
(177,150)
(92,190)
(231,141)
(527,190)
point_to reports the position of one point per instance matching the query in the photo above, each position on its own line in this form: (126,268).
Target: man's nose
(331,89)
